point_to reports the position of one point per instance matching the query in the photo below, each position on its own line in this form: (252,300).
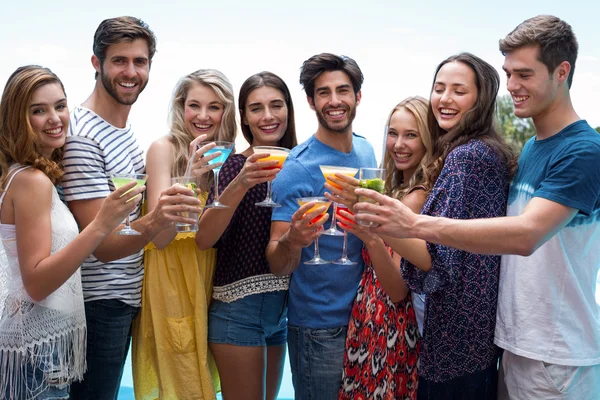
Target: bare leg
(275,364)
(242,371)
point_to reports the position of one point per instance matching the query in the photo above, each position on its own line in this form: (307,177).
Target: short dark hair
(317,64)
(265,78)
(555,38)
(122,29)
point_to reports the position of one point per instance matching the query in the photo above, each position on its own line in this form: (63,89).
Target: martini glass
(225,148)
(275,153)
(344,260)
(321,201)
(329,171)
(120,180)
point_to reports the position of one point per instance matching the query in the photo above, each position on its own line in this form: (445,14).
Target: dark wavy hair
(327,62)
(477,123)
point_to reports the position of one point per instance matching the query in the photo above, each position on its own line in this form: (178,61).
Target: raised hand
(118,205)
(200,165)
(345,195)
(305,225)
(392,217)
(171,202)
(254,171)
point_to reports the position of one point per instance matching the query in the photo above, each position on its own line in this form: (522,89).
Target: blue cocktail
(225,148)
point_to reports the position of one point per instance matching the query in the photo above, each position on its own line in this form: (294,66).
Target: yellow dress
(170,355)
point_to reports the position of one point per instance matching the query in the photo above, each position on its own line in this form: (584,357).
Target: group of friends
(475,279)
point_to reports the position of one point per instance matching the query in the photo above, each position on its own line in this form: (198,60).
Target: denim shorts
(255,320)
(37,377)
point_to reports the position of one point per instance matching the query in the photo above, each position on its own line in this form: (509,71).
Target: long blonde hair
(18,142)
(179,136)
(394,183)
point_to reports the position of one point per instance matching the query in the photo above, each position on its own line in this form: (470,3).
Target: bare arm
(115,247)
(521,235)
(288,239)
(41,272)
(214,222)
(387,267)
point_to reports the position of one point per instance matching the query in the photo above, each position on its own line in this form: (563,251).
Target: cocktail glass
(321,201)
(225,148)
(374,179)
(344,260)
(275,153)
(120,180)
(189,182)
(328,171)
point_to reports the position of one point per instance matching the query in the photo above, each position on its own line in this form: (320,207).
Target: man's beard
(112,90)
(350,112)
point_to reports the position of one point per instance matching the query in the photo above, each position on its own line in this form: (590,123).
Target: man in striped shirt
(101,142)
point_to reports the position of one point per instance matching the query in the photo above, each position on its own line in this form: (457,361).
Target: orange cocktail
(278,154)
(320,202)
(329,172)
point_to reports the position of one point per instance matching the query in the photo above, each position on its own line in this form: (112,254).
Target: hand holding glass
(320,202)
(275,153)
(225,148)
(189,182)
(328,172)
(374,179)
(120,180)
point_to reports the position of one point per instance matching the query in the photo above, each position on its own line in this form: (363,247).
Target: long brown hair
(394,183)
(18,142)
(265,78)
(477,123)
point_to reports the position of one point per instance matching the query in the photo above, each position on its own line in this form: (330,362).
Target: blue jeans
(480,385)
(317,361)
(108,338)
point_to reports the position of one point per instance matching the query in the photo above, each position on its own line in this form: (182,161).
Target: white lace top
(49,334)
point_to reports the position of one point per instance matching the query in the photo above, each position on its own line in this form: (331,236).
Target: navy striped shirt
(94,150)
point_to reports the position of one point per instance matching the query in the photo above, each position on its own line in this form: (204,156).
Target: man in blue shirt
(547,319)
(320,296)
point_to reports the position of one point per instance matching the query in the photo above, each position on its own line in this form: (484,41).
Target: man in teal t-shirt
(320,296)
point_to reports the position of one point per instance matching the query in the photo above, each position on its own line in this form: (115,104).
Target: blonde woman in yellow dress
(170,354)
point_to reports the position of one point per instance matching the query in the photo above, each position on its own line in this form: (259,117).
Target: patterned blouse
(461,287)
(242,267)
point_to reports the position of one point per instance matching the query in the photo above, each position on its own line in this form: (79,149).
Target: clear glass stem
(317,255)
(333,217)
(127,223)
(345,246)
(216,195)
(269,199)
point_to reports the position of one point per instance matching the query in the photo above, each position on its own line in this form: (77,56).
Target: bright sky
(397,46)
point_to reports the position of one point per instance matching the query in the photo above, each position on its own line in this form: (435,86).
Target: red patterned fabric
(382,346)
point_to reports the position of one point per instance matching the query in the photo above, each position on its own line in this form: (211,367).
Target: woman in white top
(42,320)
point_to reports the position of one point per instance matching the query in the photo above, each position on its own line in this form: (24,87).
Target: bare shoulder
(161,150)
(415,200)
(32,182)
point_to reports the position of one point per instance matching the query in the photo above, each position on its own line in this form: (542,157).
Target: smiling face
(334,101)
(125,70)
(454,93)
(49,117)
(403,142)
(532,87)
(203,111)
(266,114)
